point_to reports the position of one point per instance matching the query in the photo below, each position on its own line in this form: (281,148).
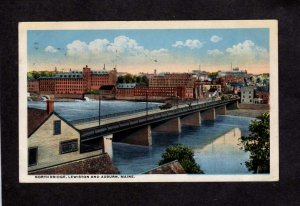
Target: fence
(191,107)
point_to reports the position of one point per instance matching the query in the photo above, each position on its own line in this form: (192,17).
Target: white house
(52,140)
(247,95)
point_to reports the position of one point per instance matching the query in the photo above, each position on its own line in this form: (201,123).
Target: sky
(134,51)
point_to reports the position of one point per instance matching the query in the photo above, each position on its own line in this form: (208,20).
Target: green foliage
(145,80)
(185,157)
(37,74)
(258,144)
(213,75)
(128,78)
(92,91)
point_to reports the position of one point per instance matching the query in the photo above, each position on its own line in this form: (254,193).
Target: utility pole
(147,104)
(99,107)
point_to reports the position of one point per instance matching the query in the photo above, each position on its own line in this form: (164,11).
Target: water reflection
(223,156)
(215,145)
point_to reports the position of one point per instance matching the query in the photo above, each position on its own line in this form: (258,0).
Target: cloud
(214,52)
(159,52)
(125,44)
(77,48)
(97,46)
(121,49)
(248,51)
(215,38)
(50,49)
(192,44)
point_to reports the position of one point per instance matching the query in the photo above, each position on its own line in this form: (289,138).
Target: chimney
(50,106)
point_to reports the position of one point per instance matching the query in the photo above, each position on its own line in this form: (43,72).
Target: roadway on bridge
(105,121)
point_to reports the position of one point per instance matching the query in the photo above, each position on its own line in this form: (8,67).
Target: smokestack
(50,106)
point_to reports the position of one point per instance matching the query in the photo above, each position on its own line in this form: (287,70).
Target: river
(215,143)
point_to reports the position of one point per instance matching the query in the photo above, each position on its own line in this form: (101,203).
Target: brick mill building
(73,82)
(172,80)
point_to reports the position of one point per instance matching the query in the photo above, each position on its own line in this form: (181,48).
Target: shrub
(185,157)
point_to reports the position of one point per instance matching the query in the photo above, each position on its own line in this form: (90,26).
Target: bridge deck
(95,123)
(106,121)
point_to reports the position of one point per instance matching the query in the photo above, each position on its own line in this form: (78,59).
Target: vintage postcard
(148,101)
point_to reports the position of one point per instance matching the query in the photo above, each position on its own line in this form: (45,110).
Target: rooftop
(35,118)
(102,72)
(99,164)
(126,85)
(169,168)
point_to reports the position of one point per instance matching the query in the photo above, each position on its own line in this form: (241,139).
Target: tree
(128,78)
(145,80)
(258,144)
(138,79)
(213,75)
(121,79)
(185,157)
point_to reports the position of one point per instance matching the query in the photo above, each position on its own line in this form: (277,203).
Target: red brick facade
(262,95)
(74,82)
(171,80)
(168,92)
(125,92)
(33,86)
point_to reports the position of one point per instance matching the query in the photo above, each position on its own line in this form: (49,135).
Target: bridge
(135,127)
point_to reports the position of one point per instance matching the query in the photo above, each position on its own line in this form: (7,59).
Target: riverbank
(245,112)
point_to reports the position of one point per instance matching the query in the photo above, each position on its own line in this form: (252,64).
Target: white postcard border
(215,24)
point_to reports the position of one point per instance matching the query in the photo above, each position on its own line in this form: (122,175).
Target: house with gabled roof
(52,140)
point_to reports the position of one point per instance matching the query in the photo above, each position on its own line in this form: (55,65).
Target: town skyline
(134,51)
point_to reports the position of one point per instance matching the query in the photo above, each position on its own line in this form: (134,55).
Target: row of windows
(71,86)
(64,83)
(244,100)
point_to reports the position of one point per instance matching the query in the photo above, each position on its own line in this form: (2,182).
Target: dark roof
(169,168)
(102,72)
(35,118)
(107,87)
(236,84)
(126,85)
(98,164)
(262,89)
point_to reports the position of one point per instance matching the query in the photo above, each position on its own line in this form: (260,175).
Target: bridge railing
(128,123)
(90,119)
(191,107)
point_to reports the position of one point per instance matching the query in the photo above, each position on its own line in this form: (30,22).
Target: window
(250,100)
(32,156)
(68,146)
(249,96)
(57,127)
